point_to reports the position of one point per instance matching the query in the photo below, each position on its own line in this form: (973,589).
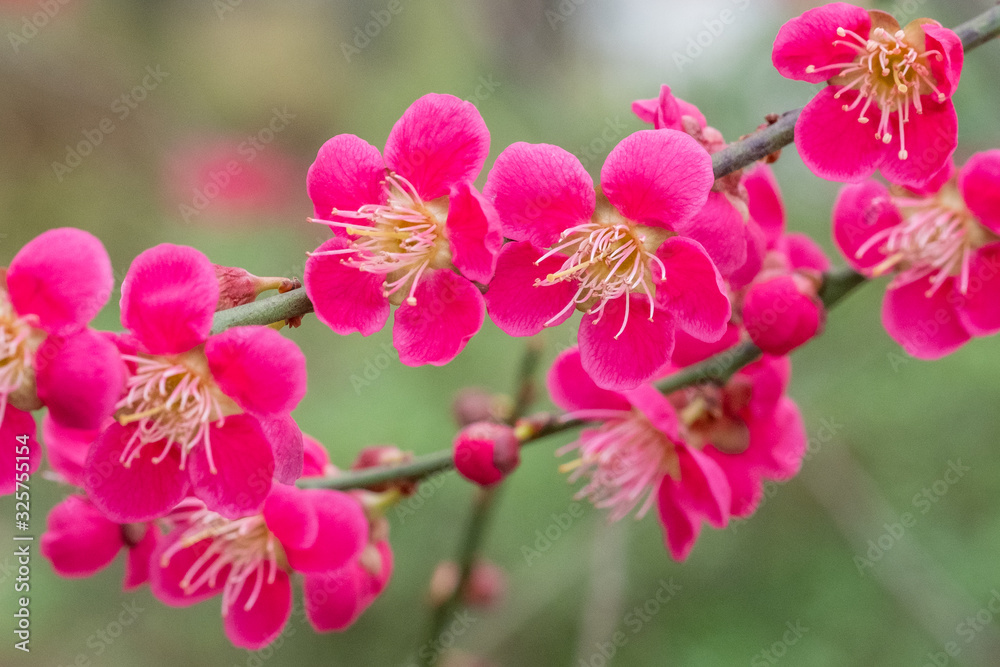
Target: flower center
(709,414)
(937,237)
(245,546)
(18,342)
(405,237)
(609,257)
(173,401)
(888,71)
(624,458)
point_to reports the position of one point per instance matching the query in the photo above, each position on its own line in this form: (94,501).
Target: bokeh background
(264,85)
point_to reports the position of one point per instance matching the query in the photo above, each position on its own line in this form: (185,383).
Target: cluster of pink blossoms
(179,439)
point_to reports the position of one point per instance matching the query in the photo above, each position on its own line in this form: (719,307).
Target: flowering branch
(837,284)
(737,155)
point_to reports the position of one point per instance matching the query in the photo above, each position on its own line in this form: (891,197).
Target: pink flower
(780,308)
(720,225)
(615,253)
(209,414)
(410,230)
(486,452)
(250,560)
(942,246)
(54,286)
(901,78)
(698,455)
(80,541)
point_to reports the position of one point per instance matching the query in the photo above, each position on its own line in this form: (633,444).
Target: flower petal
(931,138)
(928,327)
(169,297)
(948,70)
(719,228)
(138,559)
(979,307)
(334,600)
(778,443)
(79,540)
(165,576)
(255,627)
(539,190)
(692,290)
(680,525)
(811,40)
(141,492)
(860,212)
(449,311)
(342,532)
(80,378)
(287,444)
(346,175)
(291,517)
(658,177)
(346,299)
(634,356)
(572,388)
(243,467)
(66,449)
(656,408)
(516,303)
(831,141)
(63,276)
(439,141)
(259,368)
(764,202)
(778,317)
(979,183)
(804,253)
(689,350)
(473,230)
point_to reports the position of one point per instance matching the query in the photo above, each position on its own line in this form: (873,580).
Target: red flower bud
(486,452)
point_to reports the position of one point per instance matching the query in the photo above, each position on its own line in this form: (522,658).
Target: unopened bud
(386,455)
(486,585)
(486,452)
(782,313)
(238,286)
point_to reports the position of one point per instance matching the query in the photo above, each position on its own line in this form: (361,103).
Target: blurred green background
(882,427)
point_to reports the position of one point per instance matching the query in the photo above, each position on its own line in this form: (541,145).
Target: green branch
(837,284)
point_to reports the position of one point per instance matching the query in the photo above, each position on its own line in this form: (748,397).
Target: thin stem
(525,389)
(277,308)
(482,510)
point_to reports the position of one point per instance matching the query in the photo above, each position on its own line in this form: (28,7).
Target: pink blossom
(780,308)
(486,452)
(615,253)
(942,247)
(80,541)
(699,454)
(209,414)
(410,230)
(54,286)
(720,225)
(901,78)
(250,560)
